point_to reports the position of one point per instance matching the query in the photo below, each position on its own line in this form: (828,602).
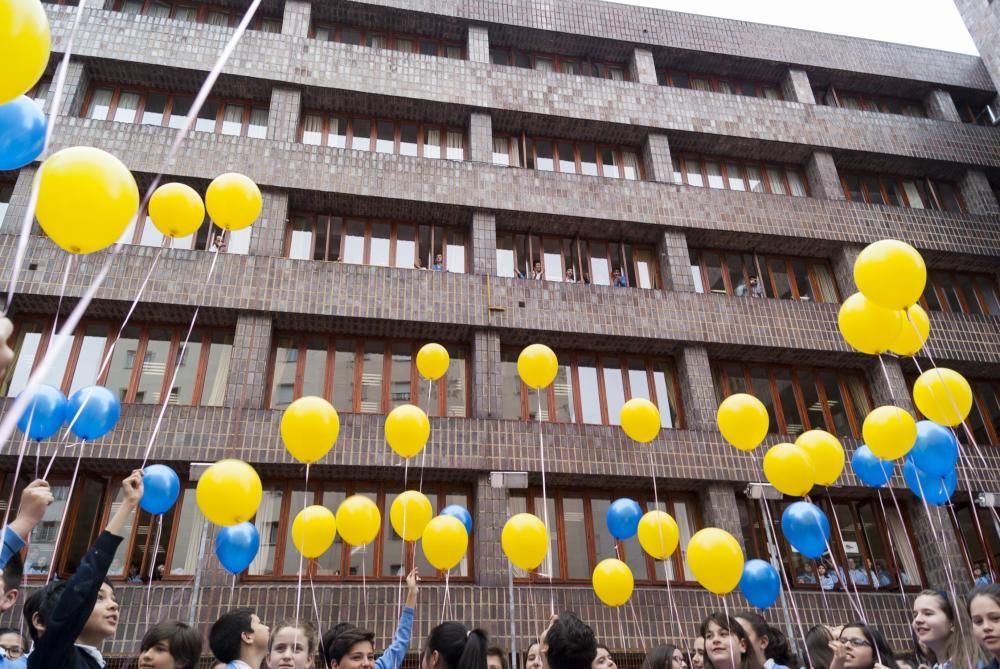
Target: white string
(69,496)
(298,590)
(545,503)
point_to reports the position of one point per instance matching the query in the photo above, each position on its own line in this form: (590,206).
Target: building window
(873,546)
(961,292)
(976,114)
(140,368)
(591,389)
(883,104)
(984,417)
(187,10)
(579,536)
(799,398)
(575,260)
(561,64)
(586,158)
(403,138)
(206,238)
(365,375)
(40,92)
(6,194)
(740,175)
(897,191)
(384,243)
(981,541)
(381,39)
(729,85)
(753,275)
(145,107)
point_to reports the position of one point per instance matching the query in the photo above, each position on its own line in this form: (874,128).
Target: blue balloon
(160,487)
(935,490)
(870,468)
(936,449)
(92,412)
(22,132)
(760,583)
(236,546)
(623,518)
(807,529)
(460,512)
(45,413)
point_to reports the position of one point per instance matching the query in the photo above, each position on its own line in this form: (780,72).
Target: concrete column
(641,68)
(268,232)
(656,158)
(481,138)
(484,243)
(675,262)
(937,545)
(487,400)
(978,194)
(247,382)
(697,390)
(938,104)
(491,514)
(297,18)
(824,181)
(888,386)
(478,44)
(11,223)
(843,268)
(795,87)
(74,89)
(284,114)
(721,509)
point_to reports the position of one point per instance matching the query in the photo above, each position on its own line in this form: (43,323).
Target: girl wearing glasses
(861,646)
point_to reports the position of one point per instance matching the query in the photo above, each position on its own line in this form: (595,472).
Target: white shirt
(238,664)
(94,653)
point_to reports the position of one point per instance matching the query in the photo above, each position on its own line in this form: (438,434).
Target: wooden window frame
(930,185)
(987,525)
(618,151)
(700,160)
(667,77)
(881,102)
(560,62)
(202,12)
(762,262)
(329,117)
(335,31)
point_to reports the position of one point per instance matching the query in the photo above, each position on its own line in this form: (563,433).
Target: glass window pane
(154,366)
(544,156)
(779,275)
(179,110)
(802,282)
(238,241)
(796,183)
(361,140)
(408,139)
(187,542)
(455,251)
(714,170)
(401,368)
(354,242)
(350,36)
(393,546)
(122,363)
(456,145)
(563,389)
(836,404)
(90,358)
(948,196)
(754,179)
(638,379)
(713,267)
(684,515)
(312,129)
(337,132)
(432,143)
(786,396)
(343,375)
(301,244)
(329,563)
(217,370)
(667,397)
(761,389)
(293,559)
(645,268)
(609,164)
(505,255)
(286,360)
(810,398)
(232,119)
(567,159)
(258,123)
(693,169)
(913,194)
(100,104)
(968,291)
(614,388)
(604,543)
(600,267)
(590,402)
(988,290)
(512,385)
(207,116)
(152,113)
(699,284)
(575,530)
(314,369)
(385,140)
(362,558)
(182,391)
(267,521)
(128,106)
(379,248)
(588,159)
(150,235)
(775,177)
(406,246)
(80,529)
(371,378)
(457,395)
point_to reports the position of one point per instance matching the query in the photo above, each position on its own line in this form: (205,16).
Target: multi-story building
(692,155)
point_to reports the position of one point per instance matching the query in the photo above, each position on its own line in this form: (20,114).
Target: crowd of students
(69,621)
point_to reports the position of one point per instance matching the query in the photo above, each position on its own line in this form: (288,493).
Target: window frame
(560,62)
(335,32)
(934,283)
(881,103)
(257,23)
(926,184)
(349,136)
(529,144)
(666,77)
(764,273)
(700,160)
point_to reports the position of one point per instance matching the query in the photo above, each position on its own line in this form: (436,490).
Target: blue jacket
(393,656)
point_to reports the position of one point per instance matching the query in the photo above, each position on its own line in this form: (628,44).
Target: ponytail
(474,654)
(458,646)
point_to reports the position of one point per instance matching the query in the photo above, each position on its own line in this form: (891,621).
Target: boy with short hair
(239,640)
(70,620)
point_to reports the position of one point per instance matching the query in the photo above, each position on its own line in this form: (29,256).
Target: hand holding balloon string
(132,490)
(412,588)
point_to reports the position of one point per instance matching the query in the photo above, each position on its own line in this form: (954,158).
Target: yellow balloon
(358,520)
(789,469)
(176,210)
(537,365)
(613,582)
(409,514)
(640,419)
(868,327)
(86,199)
(432,361)
(24,46)
(743,421)
(309,428)
(525,541)
(911,340)
(826,454)
(407,429)
(943,395)
(658,534)
(229,492)
(716,560)
(891,274)
(314,530)
(233,201)
(889,432)
(444,542)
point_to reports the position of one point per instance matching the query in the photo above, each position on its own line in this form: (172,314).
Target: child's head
(13,644)
(237,633)
(292,645)
(103,620)
(569,643)
(171,645)
(10,581)
(348,646)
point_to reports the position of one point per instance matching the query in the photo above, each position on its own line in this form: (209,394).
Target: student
(171,645)
(939,632)
(861,646)
(667,656)
(568,643)
(533,658)
(603,659)
(239,639)
(70,620)
(452,645)
(984,610)
(347,646)
(292,647)
(617,280)
(827,579)
(819,653)
(12,648)
(698,653)
(536,272)
(496,658)
(727,646)
(858,575)
(438,264)
(770,645)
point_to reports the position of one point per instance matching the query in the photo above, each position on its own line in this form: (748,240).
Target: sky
(930,23)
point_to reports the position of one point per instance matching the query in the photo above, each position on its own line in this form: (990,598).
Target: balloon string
(423,453)
(298,589)
(178,361)
(844,574)
(895,559)
(402,543)
(673,604)
(17,472)
(319,621)
(29,214)
(62,290)
(62,520)
(621,627)
(545,503)
(656,503)
(152,564)
(48,468)
(232,590)
(732,655)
